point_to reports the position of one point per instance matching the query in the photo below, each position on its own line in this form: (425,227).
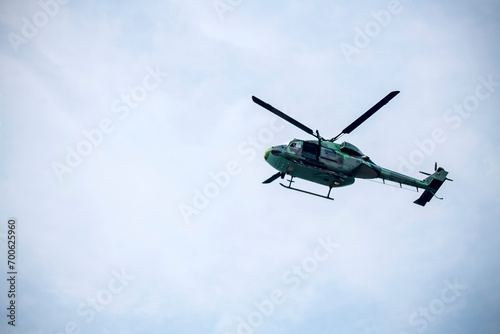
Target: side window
(329,154)
(310,150)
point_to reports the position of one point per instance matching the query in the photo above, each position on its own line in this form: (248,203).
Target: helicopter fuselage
(327,163)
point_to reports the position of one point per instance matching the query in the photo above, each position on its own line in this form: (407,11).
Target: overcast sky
(132,160)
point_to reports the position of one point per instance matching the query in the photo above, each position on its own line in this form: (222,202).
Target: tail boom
(431,184)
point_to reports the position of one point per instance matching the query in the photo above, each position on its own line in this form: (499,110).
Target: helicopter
(328,163)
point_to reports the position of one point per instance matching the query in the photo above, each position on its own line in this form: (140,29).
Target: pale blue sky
(103,245)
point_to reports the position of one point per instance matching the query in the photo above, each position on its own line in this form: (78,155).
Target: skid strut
(289,186)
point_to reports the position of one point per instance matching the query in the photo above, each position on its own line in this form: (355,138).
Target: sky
(132,166)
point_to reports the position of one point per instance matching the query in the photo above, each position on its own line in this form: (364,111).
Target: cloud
(118,209)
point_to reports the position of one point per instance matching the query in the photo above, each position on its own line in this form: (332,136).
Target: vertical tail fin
(434,182)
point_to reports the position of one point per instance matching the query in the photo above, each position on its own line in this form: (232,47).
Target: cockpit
(295,146)
(305,149)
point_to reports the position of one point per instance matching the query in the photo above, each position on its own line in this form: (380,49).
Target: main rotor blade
(368,113)
(283,115)
(272,178)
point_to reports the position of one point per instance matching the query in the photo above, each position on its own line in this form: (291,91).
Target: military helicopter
(337,165)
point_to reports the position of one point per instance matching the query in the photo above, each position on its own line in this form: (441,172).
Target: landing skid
(289,186)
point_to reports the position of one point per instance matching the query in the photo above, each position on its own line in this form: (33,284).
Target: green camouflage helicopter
(337,165)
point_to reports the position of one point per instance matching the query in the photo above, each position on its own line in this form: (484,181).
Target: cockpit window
(295,146)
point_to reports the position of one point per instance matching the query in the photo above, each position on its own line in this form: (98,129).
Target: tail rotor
(436,171)
(434,182)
